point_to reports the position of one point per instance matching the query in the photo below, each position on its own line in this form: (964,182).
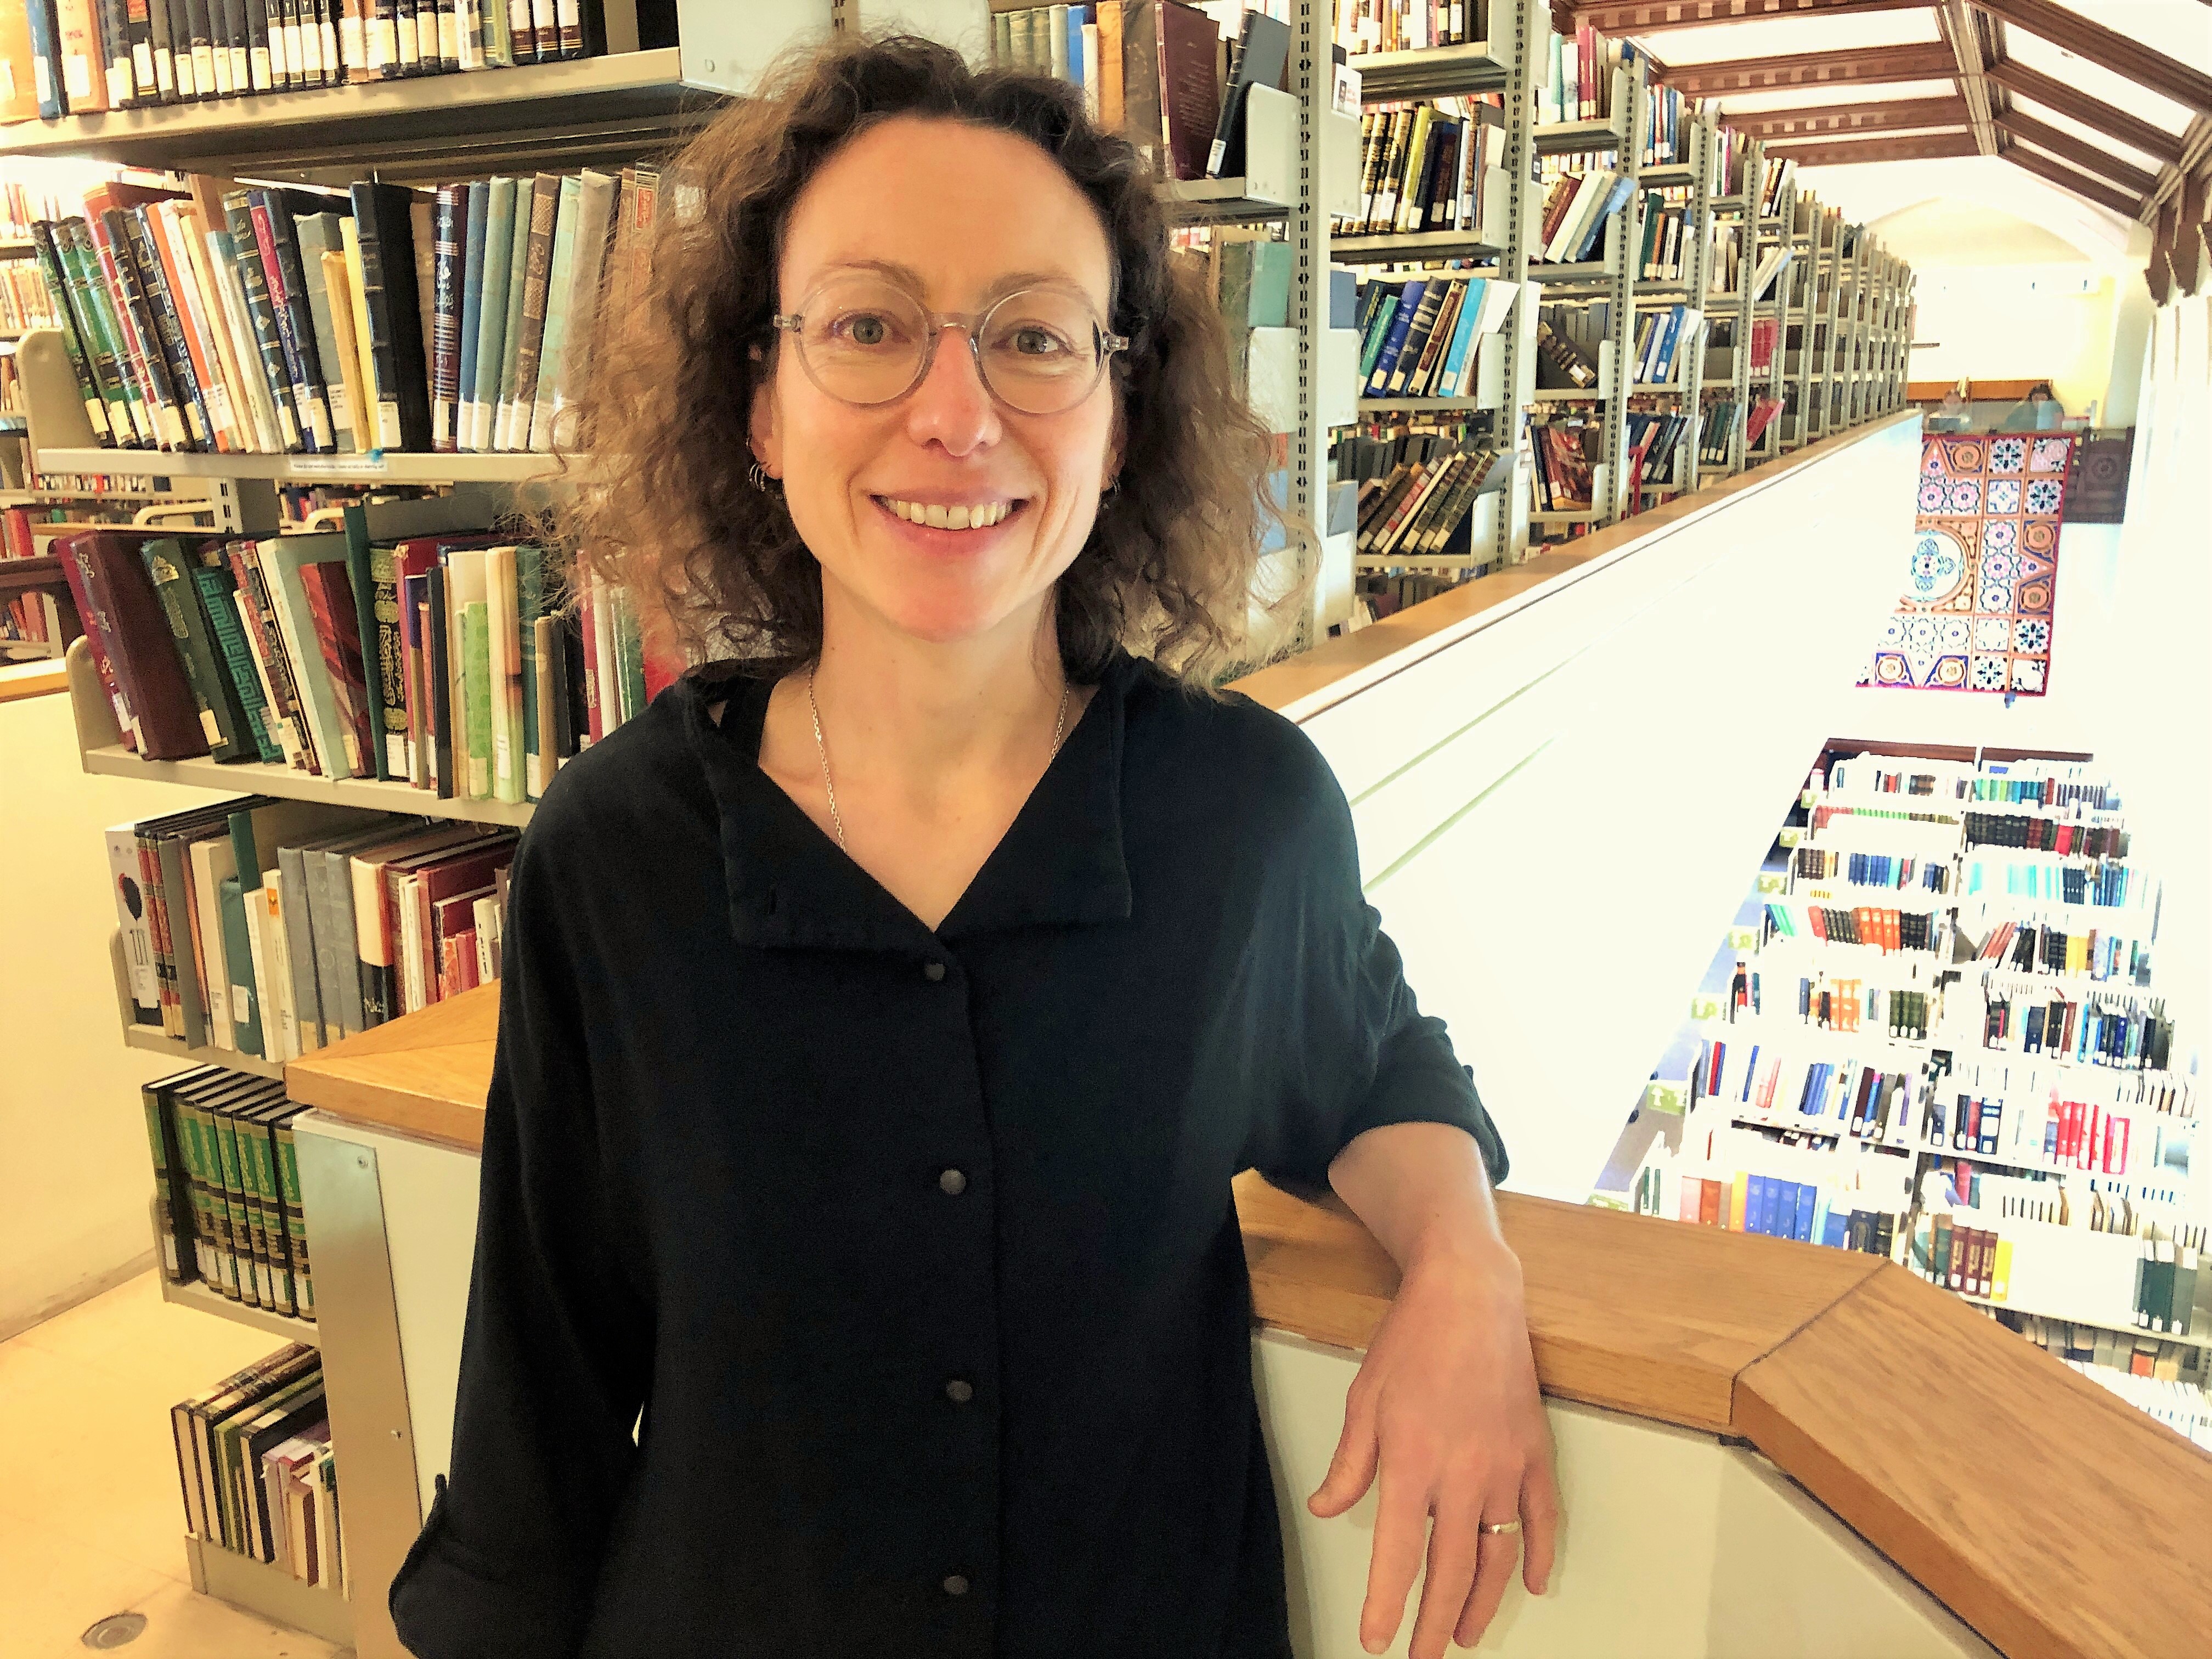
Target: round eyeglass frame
(970,324)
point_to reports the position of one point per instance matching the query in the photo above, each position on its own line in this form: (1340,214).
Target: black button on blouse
(737,1085)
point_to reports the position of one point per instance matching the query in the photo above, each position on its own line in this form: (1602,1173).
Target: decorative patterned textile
(1975,615)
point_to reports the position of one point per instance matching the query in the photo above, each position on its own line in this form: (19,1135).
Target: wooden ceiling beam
(2086,157)
(1846,152)
(2129,130)
(1618,17)
(2167,76)
(1957,24)
(1831,120)
(2089,189)
(1867,67)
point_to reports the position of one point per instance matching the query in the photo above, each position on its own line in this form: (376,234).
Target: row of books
(2134,1356)
(82,57)
(1662,337)
(2089,1029)
(2036,832)
(1742,1181)
(1723,418)
(1833,866)
(1655,442)
(1421,507)
(2152,1383)
(1666,248)
(288,321)
(257,1471)
(1360,26)
(1153,70)
(1420,338)
(2030,945)
(1578,78)
(275,928)
(2104,882)
(1884,927)
(437,660)
(227,1188)
(25,301)
(1577,207)
(1426,166)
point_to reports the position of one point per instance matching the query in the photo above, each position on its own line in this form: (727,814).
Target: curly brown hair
(669,511)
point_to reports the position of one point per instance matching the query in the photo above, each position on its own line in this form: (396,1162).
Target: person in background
(887,1009)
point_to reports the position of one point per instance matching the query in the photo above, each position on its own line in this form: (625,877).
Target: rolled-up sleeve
(1356,1050)
(557,1353)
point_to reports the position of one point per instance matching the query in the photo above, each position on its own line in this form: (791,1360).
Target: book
(1258,58)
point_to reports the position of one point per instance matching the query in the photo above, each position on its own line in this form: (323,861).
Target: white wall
(1560,814)
(77,1177)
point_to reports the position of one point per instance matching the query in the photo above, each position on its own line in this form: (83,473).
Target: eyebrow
(1005,285)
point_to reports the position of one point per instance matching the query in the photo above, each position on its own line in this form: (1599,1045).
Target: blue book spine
(1773,1225)
(1808,1200)
(1409,302)
(472,300)
(1462,338)
(1835,1227)
(1754,1202)
(1665,372)
(1615,198)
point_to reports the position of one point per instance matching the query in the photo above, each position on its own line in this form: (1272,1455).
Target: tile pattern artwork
(1975,615)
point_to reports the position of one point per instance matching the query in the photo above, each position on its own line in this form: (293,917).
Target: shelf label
(1666,1098)
(339,467)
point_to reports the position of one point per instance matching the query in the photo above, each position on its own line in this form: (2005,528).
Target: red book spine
(99,632)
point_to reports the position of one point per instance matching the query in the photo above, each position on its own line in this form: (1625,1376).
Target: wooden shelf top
(379,122)
(2053,1518)
(382,466)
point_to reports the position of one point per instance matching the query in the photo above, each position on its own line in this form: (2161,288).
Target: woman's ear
(763,428)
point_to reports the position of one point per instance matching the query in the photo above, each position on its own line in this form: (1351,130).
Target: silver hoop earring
(757,476)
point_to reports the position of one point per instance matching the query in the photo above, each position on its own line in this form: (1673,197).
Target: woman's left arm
(1445,1409)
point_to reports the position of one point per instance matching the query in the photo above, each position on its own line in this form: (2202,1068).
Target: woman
(888,1008)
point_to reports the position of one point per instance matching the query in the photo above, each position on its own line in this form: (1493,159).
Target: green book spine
(629,660)
(279,1213)
(218,1262)
(219,717)
(287,1172)
(529,599)
(233,1203)
(267,1213)
(237,948)
(168,1172)
(476,671)
(128,415)
(215,586)
(74,336)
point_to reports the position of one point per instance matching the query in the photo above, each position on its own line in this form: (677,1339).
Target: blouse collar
(1059,864)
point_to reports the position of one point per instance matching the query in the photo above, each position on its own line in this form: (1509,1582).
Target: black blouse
(915,1247)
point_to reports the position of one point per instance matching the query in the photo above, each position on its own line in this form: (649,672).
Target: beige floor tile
(53,1589)
(132,1332)
(182,1625)
(91,1518)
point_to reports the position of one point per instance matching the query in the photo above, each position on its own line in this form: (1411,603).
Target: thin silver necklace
(837,818)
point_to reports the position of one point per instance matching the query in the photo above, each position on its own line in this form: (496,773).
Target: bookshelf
(1610,283)
(1687,387)
(2075,1165)
(196,1294)
(1739,208)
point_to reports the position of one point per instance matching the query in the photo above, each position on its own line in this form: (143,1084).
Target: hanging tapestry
(1975,615)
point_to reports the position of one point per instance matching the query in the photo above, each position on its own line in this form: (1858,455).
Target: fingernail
(1373,1645)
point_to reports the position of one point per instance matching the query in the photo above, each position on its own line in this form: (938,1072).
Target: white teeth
(960,516)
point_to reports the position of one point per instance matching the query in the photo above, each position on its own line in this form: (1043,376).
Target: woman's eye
(865,328)
(1034,342)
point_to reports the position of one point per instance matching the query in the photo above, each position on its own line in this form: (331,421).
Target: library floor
(91,1522)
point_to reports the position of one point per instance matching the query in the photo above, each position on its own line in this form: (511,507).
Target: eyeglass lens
(866,341)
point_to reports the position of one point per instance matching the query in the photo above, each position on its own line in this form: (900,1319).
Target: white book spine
(130,916)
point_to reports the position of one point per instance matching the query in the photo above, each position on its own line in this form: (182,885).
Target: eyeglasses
(867,341)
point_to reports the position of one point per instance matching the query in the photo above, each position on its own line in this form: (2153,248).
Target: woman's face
(961,215)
